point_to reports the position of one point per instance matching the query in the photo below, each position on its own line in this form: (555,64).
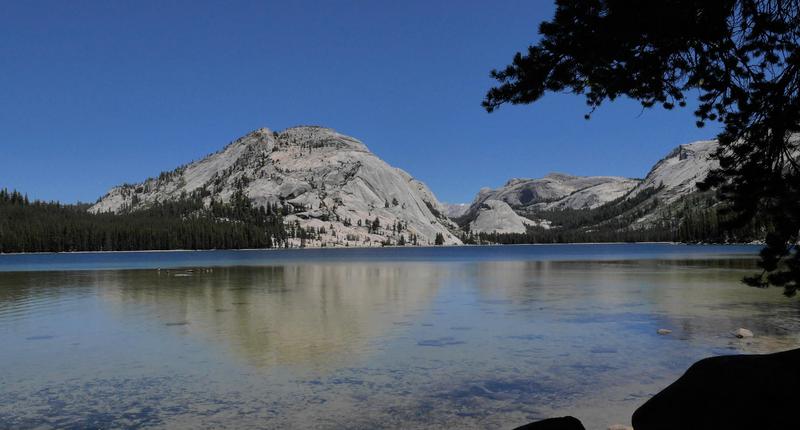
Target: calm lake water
(465,337)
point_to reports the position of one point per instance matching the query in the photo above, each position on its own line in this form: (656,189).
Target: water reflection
(320,315)
(369,344)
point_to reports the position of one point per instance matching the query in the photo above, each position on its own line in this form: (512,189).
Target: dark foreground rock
(730,392)
(562,423)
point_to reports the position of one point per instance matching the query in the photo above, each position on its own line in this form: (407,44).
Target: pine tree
(739,57)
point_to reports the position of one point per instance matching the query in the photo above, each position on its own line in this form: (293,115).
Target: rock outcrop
(560,423)
(328,180)
(455,210)
(559,190)
(495,216)
(734,392)
(672,178)
(729,392)
(678,173)
(497,210)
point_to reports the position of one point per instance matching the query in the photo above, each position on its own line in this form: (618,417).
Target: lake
(461,337)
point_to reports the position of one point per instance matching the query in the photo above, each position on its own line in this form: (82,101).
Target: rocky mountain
(455,210)
(333,185)
(679,171)
(675,177)
(521,203)
(558,190)
(496,216)
(327,181)
(486,214)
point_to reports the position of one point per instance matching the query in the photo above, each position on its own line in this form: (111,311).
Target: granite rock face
(500,210)
(678,173)
(496,216)
(327,179)
(455,210)
(559,190)
(673,177)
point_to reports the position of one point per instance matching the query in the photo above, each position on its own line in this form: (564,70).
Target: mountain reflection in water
(314,315)
(370,343)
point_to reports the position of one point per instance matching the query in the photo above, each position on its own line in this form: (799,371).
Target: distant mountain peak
(559,176)
(511,182)
(330,182)
(671,178)
(680,170)
(557,190)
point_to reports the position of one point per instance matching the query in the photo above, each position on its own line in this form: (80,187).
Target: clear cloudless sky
(96,93)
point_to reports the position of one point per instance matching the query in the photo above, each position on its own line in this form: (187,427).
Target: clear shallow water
(468,337)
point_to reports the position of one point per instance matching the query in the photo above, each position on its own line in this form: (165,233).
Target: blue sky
(93,94)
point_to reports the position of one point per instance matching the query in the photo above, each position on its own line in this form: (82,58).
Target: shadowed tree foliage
(740,58)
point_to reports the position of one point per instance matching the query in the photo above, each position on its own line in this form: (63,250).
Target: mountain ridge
(327,181)
(333,185)
(647,203)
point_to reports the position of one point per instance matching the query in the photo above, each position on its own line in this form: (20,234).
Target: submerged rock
(729,392)
(742,333)
(561,423)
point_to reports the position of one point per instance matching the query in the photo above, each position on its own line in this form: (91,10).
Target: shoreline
(143,251)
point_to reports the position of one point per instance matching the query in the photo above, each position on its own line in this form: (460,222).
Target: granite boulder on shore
(560,423)
(729,392)
(733,392)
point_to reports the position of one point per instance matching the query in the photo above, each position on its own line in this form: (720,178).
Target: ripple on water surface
(427,339)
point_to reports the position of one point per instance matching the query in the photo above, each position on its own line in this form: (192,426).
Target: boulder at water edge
(561,423)
(729,392)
